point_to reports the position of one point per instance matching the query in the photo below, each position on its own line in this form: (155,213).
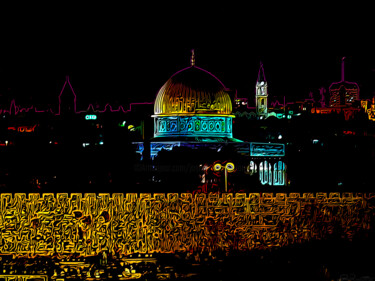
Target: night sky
(124,53)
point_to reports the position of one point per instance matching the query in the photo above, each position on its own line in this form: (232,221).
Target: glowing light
(23,129)
(90,117)
(229,167)
(192,59)
(261,94)
(217,167)
(267,149)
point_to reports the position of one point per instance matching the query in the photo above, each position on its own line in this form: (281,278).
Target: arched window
(275,174)
(270,174)
(264,172)
(252,168)
(279,173)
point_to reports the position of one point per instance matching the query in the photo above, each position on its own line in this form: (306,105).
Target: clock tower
(261,94)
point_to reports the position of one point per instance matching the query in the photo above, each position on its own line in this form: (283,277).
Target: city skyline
(15,97)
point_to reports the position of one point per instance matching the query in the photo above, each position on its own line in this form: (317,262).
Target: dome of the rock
(193,91)
(193,105)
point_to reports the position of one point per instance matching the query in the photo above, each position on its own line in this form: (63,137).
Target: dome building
(194,105)
(193,109)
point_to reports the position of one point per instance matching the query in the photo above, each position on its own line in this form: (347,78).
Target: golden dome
(193,91)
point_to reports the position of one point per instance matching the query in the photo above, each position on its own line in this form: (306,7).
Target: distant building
(261,94)
(67,125)
(344,98)
(369,108)
(240,103)
(343,93)
(263,107)
(67,99)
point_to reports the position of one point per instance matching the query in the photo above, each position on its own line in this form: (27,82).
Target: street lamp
(228,168)
(217,167)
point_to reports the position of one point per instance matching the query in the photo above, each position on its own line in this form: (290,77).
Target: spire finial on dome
(192,59)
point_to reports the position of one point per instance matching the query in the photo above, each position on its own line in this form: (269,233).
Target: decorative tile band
(193,126)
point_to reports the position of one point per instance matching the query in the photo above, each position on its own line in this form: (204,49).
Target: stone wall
(138,223)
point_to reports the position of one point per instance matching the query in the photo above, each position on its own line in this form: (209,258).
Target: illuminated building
(261,93)
(194,104)
(261,110)
(344,98)
(343,93)
(194,109)
(369,108)
(240,102)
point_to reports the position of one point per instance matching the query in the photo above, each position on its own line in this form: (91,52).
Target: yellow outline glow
(230,167)
(45,224)
(217,167)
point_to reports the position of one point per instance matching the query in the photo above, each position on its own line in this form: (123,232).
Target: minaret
(261,94)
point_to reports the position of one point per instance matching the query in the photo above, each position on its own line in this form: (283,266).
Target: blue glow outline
(193,126)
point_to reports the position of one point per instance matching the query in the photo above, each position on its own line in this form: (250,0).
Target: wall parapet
(88,224)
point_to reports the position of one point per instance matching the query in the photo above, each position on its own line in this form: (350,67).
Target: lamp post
(228,168)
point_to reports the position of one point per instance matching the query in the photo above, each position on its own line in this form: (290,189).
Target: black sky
(126,52)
